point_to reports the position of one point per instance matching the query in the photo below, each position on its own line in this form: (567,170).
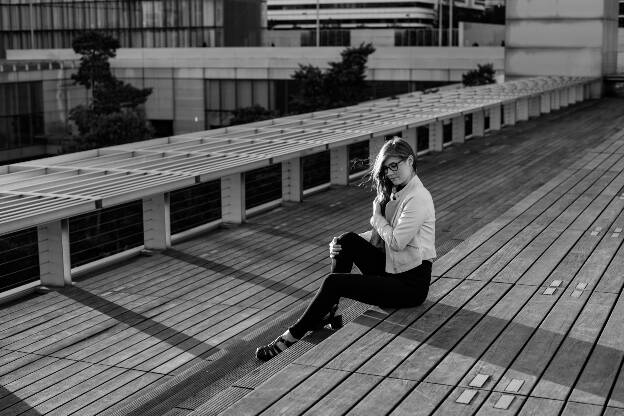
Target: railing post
(555,100)
(54,255)
(545,102)
(478,124)
(233,198)
(580,95)
(374,146)
(459,129)
(522,109)
(563,97)
(292,180)
(436,136)
(339,165)
(495,117)
(411,137)
(534,107)
(156,222)
(510,113)
(571,94)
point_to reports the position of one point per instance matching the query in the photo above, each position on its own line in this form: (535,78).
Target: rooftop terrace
(519,210)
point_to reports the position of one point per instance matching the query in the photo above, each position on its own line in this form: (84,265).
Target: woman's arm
(413,214)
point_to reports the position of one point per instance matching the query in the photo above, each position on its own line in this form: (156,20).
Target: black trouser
(374,286)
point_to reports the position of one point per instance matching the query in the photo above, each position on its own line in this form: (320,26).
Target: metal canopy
(47,189)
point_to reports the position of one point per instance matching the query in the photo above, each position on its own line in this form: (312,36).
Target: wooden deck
(532,207)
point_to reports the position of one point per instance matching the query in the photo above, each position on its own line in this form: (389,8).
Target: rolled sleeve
(412,216)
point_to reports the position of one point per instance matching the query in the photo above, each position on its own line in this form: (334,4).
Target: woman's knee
(347,239)
(333,283)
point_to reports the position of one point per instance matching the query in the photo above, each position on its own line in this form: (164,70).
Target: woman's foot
(266,352)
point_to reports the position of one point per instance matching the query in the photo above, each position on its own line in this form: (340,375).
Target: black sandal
(266,352)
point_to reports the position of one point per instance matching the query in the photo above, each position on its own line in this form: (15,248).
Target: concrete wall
(561,37)
(386,64)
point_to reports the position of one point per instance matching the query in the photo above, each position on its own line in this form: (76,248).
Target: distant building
(51,24)
(385,22)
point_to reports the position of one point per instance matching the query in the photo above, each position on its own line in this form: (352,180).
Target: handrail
(45,192)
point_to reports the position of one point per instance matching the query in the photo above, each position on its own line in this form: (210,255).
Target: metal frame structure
(46,192)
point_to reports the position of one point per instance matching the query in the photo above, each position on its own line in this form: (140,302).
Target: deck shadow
(238,274)
(578,351)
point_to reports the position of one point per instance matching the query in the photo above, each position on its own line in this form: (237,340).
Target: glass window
(185,13)
(261,93)
(219,13)
(228,95)
(209,13)
(196,13)
(171,13)
(243,94)
(213,95)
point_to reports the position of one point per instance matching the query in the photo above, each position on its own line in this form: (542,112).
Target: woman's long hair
(396,147)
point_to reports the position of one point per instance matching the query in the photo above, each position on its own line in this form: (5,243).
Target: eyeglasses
(394,166)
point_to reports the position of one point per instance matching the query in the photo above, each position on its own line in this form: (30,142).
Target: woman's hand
(334,247)
(377,206)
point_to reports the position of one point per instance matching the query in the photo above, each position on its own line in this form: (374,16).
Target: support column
(554,100)
(571,95)
(522,109)
(534,107)
(495,118)
(374,146)
(292,180)
(156,222)
(579,93)
(54,256)
(595,89)
(411,137)
(545,102)
(339,165)
(459,129)
(233,198)
(478,124)
(436,136)
(510,113)
(563,97)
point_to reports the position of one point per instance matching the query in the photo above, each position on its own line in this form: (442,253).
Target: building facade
(198,89)
(45,24)
(405,23)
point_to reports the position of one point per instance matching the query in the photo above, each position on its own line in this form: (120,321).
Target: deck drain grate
(504,402)
(466,396)
(479,380)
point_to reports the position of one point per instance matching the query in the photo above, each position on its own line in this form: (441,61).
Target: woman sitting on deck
(394,257)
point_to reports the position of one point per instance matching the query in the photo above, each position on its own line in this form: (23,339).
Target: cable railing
(177,186)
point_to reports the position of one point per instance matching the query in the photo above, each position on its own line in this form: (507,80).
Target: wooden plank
(399,347)
(419,402)
(428,355)
(342,397)
(270,391)
(101,392)
(462,357)
(126,392)
(535,406)
(383,398)
(555,382)
(581,409)
(599,374)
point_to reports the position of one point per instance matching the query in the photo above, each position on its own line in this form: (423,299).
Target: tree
(484,74)
(342,84)
(250,114)
(114,114)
